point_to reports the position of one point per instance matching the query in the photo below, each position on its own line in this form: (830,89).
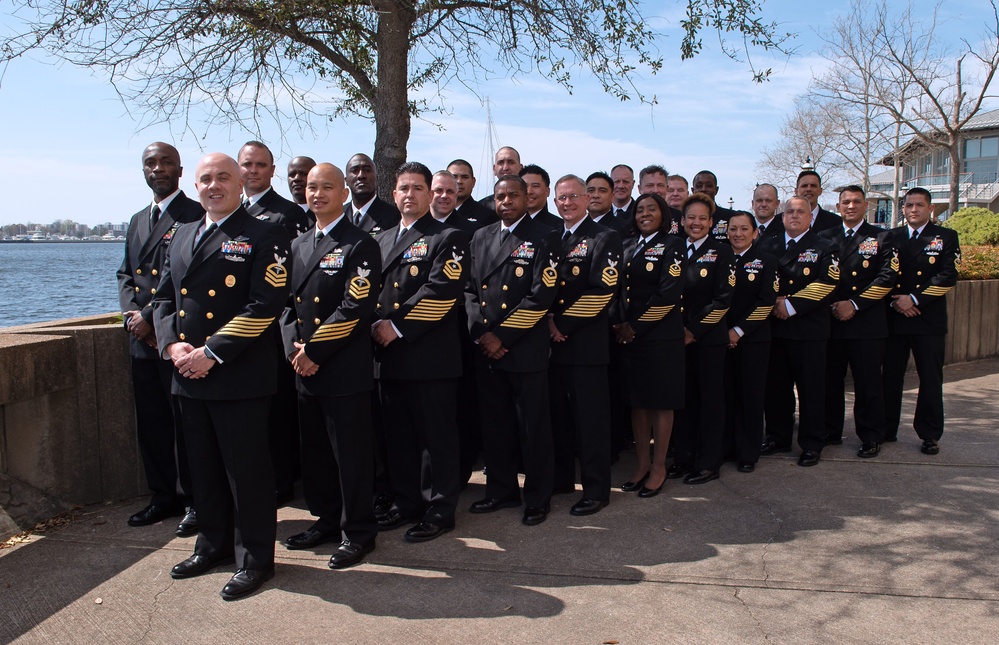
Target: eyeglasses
(565,198)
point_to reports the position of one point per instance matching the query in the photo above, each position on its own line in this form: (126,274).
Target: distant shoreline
(62,241)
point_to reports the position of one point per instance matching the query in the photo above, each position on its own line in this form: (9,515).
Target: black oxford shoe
(676,472)
(197,565)
(189,525)
(350,553)
(771,447)
(587,506)
(393,520)
(382,504)
(309,539)
(930,447)
(808,458)
(868,449)
(701,477)
(426,531)
(534,515)
(154,513)
(244,582)
(746,467)
(491,504)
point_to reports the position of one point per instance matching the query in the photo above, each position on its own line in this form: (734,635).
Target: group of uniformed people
(379,349)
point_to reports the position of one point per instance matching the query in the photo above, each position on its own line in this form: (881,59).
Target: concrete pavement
(903,548)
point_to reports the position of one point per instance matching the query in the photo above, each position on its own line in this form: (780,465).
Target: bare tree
(813,131)
(925,85)
(291,61)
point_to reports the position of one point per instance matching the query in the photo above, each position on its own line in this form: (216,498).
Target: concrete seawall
(67,423)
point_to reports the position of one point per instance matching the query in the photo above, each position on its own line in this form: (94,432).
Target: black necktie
(319,238)
(402,231)
(154,215)
(246,201)
(204,236)
(790,243)
(849,233)
(504,234)
(641,247)
(619,212)
(565,236)
(915,234)
(762,229)
(690,250)
(357,218)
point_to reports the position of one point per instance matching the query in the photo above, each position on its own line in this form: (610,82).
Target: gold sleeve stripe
(243,327)
(815,291)
(655,314)
(875,293)
(936,291)
(334,331)
(588,306)
(429,310)
(715,316)
(760,313)
(523,319)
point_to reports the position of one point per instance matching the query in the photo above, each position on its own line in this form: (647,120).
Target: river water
(42,281)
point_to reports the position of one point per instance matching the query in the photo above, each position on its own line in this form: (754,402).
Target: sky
(71,150)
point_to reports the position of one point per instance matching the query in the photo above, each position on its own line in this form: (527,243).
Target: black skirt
(652,374)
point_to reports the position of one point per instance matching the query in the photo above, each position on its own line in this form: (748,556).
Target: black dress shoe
(808,458)
(382,504)
(869,449)
(154,513)
(535,515)
(771,447)
(244,582)
(676,472)
(631,487)
(198,564)
(587,506)
(492,504)
(650,492)
(189,525)
(393,520)
(310,538)
(350,553)
(746,467)
(426,531)
(701,477)
(929,447)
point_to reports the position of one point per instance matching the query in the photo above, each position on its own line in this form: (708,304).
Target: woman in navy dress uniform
(649,327)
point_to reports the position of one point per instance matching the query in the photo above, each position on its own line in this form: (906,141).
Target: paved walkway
(903,548)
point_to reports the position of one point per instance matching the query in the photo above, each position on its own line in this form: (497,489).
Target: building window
(981,160)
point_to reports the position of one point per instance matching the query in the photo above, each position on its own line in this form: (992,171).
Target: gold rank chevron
(875,293)
(936,291)
(333,331)
(655,314)
(523,319)
(715,316)
(429,310)
(588,306)
(243,327)
(760,313)
(815,291)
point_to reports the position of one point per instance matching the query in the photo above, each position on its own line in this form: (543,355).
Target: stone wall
(67,424)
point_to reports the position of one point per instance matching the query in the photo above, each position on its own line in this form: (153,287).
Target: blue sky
(71,150)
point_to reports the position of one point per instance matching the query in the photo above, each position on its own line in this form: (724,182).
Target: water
(42,281)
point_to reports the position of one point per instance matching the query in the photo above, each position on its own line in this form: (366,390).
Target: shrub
(975,226)
(979,262)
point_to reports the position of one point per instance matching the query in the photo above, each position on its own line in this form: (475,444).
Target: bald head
(325,193)
(219,185)
(162,169)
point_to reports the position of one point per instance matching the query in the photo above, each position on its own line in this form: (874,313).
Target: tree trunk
(896,220)
(390,105)
(955,171)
